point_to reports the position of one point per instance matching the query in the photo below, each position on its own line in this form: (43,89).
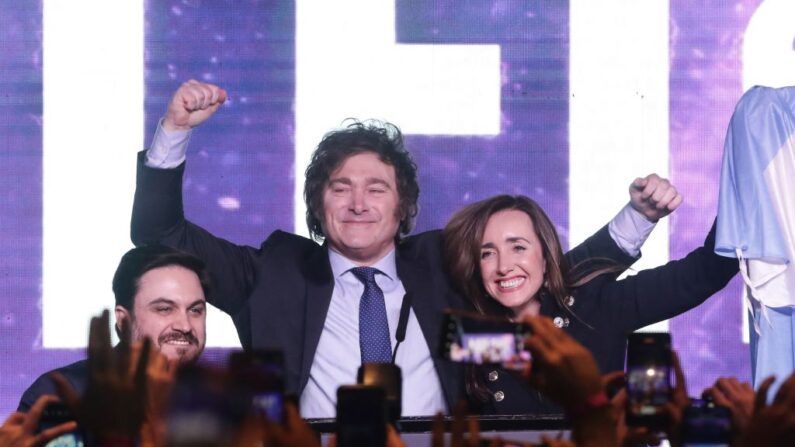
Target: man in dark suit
(333,306)
(161,295)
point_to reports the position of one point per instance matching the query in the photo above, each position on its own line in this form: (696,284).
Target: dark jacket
(278,294)
(76,374)
(605,311)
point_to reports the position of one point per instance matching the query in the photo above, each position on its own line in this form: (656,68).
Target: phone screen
(704,422)
(479,339)
(207,407)
(649,376)
(261,372)
(55,414)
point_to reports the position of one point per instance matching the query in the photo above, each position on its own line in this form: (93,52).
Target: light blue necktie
(374,339)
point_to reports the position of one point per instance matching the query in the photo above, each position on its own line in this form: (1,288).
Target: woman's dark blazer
(604,311)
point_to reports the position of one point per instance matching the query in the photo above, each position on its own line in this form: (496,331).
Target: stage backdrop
(566,102)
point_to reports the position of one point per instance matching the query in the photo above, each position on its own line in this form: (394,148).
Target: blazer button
(569,300)
(499,396)
(560,322)
(493,376)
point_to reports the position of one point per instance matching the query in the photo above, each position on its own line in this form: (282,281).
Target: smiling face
(169,308)
(360,208)
(512,264)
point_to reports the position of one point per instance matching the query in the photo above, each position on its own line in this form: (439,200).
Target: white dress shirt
(338,355)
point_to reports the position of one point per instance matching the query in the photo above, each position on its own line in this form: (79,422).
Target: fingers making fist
(192,104)
(654,197)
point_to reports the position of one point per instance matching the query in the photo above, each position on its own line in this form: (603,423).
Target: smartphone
(207,407)
(649,374)
(388,377)
(704,422)
(479,339)
(56,413)
(261,374)
(361,416)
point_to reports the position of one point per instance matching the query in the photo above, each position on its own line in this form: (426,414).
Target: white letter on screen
(92,128)
(618,124)
(769,45)
(349,65)
(93,118)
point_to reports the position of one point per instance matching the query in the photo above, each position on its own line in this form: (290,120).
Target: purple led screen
(247,150)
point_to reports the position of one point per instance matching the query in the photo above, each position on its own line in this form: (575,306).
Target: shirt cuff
(168,148)
(630,229)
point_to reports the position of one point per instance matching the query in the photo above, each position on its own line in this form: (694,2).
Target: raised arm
(663,292)
(158,216)
(650,199)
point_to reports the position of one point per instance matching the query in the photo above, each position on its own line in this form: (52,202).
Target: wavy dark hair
(383,139)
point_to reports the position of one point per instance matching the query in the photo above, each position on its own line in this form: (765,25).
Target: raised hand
(114,401)
(458,427)
(295,432)
(19,430)
(192,104)
(654,197)
(773,424)
(738,397)
(679,401)
(161,375)
(565,370)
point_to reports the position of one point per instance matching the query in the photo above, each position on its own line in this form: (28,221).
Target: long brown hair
(463,237)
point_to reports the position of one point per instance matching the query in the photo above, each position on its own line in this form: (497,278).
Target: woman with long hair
(504,255)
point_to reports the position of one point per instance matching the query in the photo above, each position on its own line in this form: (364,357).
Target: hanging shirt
(756,222)
(756,206)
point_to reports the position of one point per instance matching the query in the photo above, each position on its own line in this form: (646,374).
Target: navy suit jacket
(278,294)
(76,374)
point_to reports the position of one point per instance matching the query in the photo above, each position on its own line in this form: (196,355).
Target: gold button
(493,376)
(499,396)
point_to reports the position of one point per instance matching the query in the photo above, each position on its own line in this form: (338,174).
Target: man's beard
(166,337)
(182,350)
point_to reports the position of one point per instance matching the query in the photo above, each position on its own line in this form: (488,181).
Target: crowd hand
(566,371)
(738,397)
(192,104)
(161,375)
(630,436)
(774,424)
(294,432)
(470,425)
(19,430)
(114,401)
(392,438)
(461,423)
(675,409)
(627,436)
(654,197)
(555,442)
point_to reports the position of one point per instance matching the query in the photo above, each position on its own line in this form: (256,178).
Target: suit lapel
(319,287)
(428,300)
